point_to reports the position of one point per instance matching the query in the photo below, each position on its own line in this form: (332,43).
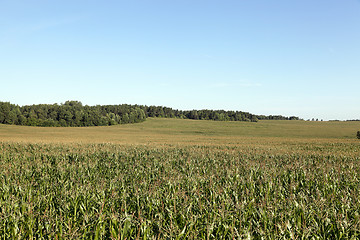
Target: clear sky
(299,57)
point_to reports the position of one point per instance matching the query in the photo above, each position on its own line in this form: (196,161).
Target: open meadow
(181,179)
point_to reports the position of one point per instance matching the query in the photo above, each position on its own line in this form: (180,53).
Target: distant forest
(74,114)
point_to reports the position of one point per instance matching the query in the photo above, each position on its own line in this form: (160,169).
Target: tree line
(75,114)
(69,114)
(216,115)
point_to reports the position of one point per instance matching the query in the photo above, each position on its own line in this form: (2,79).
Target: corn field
(109,191)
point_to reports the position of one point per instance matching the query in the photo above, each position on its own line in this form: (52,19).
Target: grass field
(177,131)
(181,179)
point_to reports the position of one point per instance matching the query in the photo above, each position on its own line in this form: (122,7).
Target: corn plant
(108,191)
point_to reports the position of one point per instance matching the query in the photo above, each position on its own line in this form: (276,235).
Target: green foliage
(216,115)
(358,135)
(277,117)
(74,114)
(104,191)
(69,114)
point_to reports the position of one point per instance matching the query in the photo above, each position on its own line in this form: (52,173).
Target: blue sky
(283,57)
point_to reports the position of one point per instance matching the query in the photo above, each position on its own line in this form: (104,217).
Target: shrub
(358,134)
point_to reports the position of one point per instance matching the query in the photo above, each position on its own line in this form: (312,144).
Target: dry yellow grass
(159,131)
(178,130)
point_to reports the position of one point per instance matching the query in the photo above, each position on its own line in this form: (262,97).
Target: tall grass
(107,191)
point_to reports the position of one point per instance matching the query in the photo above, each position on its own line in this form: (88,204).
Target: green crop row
(105,191)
